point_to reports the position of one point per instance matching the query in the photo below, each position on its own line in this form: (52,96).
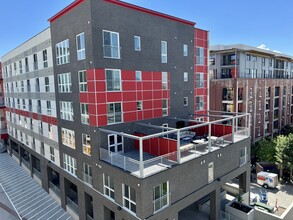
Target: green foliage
(281,142)
(239,197)
(286,130)
(265,151)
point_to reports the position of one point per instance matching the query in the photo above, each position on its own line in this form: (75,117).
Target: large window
(64,82)
(185,76)
(137,45)
(69,164)
(49,108)
(20,66)
(52,154)
(161,196)
(84,112)
(114,113)
(47,84)
(243,156)
(45,58)
(113,80)
(111,44)
(164,80)
(80,46)
(185,50)
(164,107)
(82,81)
(129,198)
(68,137)
(199,103)
(199,80)
(211,172)
(62,52)
(200,55)
(66,111)
(86,144)
(164,51)
(35,61)
(109,186)
(87,174)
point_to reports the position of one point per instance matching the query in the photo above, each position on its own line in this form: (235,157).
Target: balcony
(71,204)
(157,148)
(37,173)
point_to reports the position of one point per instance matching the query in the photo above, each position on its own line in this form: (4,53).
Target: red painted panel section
(91,86)
(83,97)
(129,117)
(4,136)
(128,75)
(102,109)
(101,97)
(114,96)
(93,120)
(102,120)
(91,98)
(128,86)
(100,86)
(100,74)
(90,75)
(129,106)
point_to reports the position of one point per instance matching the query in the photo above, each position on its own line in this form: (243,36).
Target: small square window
(138,75)
(139,105)
(185,101)
(185,77)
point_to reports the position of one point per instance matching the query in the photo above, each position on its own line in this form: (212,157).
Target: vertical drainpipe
(254,112)
(141,158)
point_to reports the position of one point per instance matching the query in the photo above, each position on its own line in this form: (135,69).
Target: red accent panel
(147,95)
(93,120)
(91,98)
(148,114)
(147,76)
(157,76)
(90,75)
(83,97)
(128,75)
(4,136)
(101,98)
(91,86)
(128,86)
(100,86)
(92,109)
(102,120)
(147,105)
(129,106)
(102,109)
(100,74)
(157,104)
(157,95)
(129,117)
(65,10)
(129,96)
(148,11)
(114,96)
(157,85)
(147,86)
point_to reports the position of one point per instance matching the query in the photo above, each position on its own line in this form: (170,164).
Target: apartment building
(129,123)
(253,80)
(3,130)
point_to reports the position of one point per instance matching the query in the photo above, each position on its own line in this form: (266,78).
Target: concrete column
(244,181)
(62,190)
(215,204)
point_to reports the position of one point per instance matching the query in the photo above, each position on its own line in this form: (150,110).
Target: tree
(286,130)
(281,143)
(265,151)
(288,154)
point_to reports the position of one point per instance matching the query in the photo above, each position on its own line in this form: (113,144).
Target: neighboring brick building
(131,138)
(253,80)
(3,130)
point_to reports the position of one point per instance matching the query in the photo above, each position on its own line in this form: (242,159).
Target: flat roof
(246,48)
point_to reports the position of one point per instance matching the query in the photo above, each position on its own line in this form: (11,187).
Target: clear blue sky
(251,22)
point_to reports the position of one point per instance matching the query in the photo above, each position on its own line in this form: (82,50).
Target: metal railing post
(141,165)
(178,147)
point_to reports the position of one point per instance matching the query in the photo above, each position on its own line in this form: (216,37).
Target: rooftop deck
(148,157)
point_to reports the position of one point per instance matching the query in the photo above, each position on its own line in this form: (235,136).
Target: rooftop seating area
(156,145)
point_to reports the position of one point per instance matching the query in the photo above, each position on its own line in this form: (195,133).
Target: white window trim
(68,138)
(114,113)
(85,146)
(83,114)
(118,47)
(164,54)
(120,80)
(106,187)
(80,53)
(128,198)
(139,43)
